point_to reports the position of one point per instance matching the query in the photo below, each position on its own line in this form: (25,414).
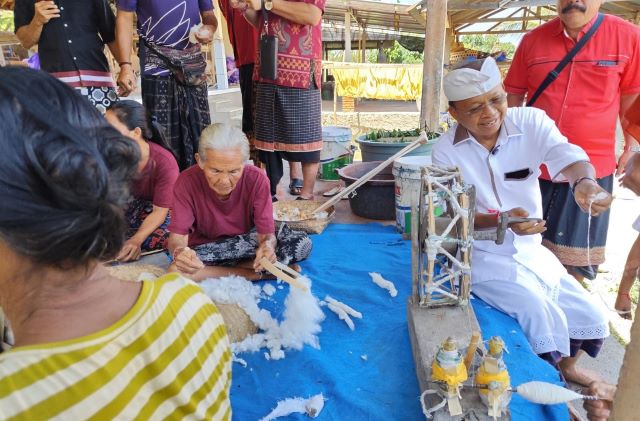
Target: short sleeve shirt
(299,50)
(166,23)
(584,100)
(71,47)
(508,177)
(155,182)
(198,212)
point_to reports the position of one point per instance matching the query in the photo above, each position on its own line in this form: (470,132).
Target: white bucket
(336,151)
(406,171)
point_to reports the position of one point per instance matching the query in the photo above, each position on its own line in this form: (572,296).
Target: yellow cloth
(167,358)
(394,82)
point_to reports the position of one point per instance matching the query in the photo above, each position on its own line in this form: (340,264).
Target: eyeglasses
(494,103)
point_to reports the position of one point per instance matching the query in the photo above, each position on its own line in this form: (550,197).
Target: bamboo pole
(335,199)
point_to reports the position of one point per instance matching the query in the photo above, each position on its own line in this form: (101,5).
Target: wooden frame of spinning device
(441,238)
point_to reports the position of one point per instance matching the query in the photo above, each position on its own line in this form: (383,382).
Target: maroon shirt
(198,212)
(155,182)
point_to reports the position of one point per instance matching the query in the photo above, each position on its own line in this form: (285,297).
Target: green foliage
(396,135)
(412,43)
(6,21)
(399,54)
(488,44)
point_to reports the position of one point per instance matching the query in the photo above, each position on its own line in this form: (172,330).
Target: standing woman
(148,213)
(88,345)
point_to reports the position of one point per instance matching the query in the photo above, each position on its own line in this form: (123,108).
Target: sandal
(295,186)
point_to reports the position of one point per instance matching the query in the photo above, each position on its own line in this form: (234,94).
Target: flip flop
(302,198)
(295,186)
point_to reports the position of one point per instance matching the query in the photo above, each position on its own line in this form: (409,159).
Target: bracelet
(579,180)
(124,62)
(634,149)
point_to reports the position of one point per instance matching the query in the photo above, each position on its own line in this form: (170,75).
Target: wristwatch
(268,5)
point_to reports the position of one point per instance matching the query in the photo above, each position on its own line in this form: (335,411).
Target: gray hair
(223,137)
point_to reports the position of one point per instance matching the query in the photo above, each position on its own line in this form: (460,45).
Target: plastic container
(375,198)
(336,151)
(381,151)
(407,172)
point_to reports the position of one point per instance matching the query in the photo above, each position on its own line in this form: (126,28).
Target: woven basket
(131,272)
(306,224)
(237,321)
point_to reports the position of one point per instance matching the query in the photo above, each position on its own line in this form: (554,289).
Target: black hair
(469,64)
(133,114)
(64,172)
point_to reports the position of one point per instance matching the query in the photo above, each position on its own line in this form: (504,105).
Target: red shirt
(631,121)
(299,50)
(155,182)
(243,36)
(584,100)
(198,212)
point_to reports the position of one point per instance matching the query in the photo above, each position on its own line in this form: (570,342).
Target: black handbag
(187,66)
(268,51)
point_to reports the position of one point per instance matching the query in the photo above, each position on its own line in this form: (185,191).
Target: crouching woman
(222,222)
(88,345)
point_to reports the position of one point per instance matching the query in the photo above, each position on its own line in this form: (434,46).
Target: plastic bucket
(336,151)
(407,171)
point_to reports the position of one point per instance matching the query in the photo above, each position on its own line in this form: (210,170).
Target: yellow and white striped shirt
(167,358)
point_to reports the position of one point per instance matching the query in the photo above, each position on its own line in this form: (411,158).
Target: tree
(6,21)
(488,43)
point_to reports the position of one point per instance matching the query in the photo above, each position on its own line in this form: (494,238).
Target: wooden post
(347,36)
(626,404)
(433,62)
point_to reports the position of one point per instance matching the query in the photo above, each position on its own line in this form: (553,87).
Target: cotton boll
(383,283)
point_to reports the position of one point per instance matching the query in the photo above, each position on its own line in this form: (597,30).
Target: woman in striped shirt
(89,346)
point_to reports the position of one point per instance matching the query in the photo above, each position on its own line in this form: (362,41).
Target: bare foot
(582,376)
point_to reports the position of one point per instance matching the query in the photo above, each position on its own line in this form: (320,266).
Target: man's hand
(631,177)
(44,11)
(622,162)
(586,191)
(525,228)
(129,251)
(204,35)
(599,410)
(127,80)
(187,261)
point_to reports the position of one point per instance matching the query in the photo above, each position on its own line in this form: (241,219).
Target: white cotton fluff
(269,289)
(302,315)
(350,311)
(342,315)
(239,361)
(383,283)
(312,407)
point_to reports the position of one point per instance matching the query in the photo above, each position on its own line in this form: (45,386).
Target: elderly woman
(148,212)
(87,344)
(222,216)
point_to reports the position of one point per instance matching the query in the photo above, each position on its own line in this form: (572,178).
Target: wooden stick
(280,273)
(335,199)
(144,253)
(471,350)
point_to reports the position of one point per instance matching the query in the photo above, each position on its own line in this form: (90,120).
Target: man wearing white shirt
(499,150)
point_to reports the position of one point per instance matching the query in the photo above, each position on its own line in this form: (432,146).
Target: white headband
(467,83)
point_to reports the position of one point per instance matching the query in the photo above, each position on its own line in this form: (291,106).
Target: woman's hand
(129,251)
(266,249)
(586,191)
(187,260)
(525,228)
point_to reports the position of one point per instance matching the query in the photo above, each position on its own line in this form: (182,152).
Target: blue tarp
(368,374)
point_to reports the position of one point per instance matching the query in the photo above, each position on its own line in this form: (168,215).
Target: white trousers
(547,321)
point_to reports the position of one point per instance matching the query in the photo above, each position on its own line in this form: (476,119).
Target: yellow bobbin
(484,378)
(451,376)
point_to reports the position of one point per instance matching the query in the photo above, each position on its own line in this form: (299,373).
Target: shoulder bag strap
(570,55)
